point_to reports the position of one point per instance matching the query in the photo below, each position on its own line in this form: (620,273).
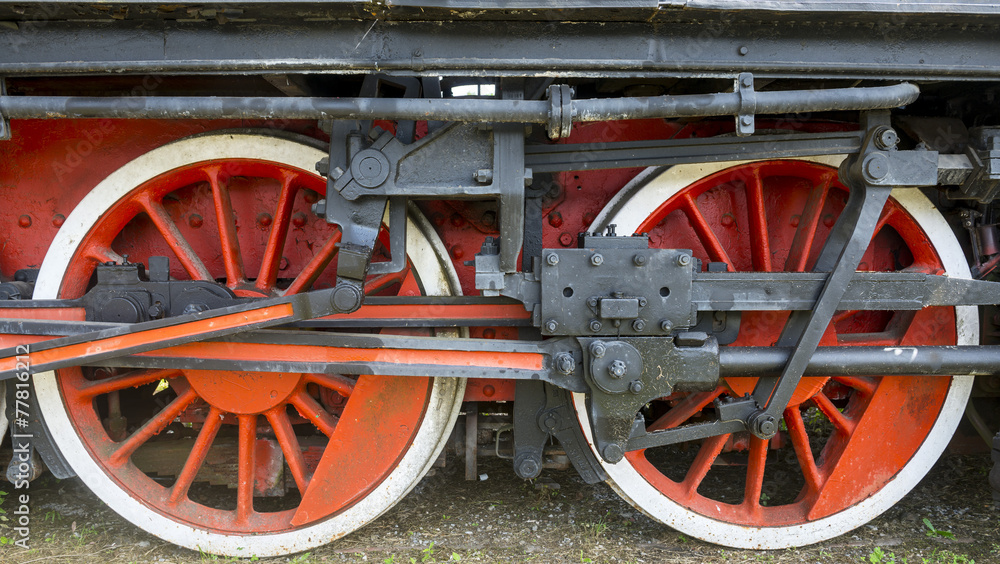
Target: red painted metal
(769,216)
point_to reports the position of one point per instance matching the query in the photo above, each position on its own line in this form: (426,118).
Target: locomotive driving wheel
(849,447)
(310,457)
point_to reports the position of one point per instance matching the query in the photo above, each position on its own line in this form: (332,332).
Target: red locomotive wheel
(238,463)
(849,447)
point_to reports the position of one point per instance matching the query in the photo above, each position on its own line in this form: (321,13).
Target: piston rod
(865,361)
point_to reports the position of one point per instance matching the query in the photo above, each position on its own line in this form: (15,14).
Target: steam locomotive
(264,264)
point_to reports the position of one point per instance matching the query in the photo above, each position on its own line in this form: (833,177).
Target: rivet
(283,265)
(24,221)
(489,333)
(489,390)
(828,220)
(743,50)
(195,221)
(298,219)
(555,219)
(457,220)
(457,251)
(264,219)
(728,220)
(795,220)
(58,219)
(311,197)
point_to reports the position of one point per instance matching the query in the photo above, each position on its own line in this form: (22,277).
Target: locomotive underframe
(604,337)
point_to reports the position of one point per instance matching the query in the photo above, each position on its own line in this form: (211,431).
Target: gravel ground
(557,518)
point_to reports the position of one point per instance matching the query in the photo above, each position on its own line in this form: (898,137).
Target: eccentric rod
(467,110)
(864,361)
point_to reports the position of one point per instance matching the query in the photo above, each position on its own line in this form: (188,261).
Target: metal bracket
(397,239)
(4,122)
(561,111)
(748,105)
(627,374)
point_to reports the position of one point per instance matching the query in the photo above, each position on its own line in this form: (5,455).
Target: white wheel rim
(429,259)
(627,210)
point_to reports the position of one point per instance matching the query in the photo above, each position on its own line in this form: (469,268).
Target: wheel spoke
(196,458)
(841,423)
(707,453)
(704,231)
(380,283)
(757,459)
(685,409)
(760,246)
(279,231)
(883,219)
(340,384)
(314,412)
(246,465)
(316,265)
(152,427)
(89,389)
(865,386)
(226,218)
(289,446)
(803,451)
(802,242)
(175,240)
(102,254)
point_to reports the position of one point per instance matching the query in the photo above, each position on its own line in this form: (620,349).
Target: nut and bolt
(886,138)
(639,260)
(596,259)
(484,176)
(642,302)
(597,349)
(592,302)
(552,259)
(638,325)
(763,426)
(666,326)
(551,325)
(617,369)
(635,386)
(565,363)
(748,81)
(612,453)
(683,260)
(595,325)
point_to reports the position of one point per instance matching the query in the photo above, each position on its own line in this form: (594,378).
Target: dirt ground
(558,518)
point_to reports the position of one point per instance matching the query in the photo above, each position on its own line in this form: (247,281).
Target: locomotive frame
(594,359)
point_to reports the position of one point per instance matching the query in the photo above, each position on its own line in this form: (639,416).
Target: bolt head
(551,325)
(484,176)
(876,166)
(595,325)
(612,453)
(596,259)
(639,260)
(683,260)
(638,325)
(592,302)
(886,138)
(666,326)
(747,80)
(565,363)
(743,50)
(597,349)
(635,386)
(552,259)
(617,369)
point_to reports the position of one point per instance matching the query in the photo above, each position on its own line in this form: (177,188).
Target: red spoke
(197,455)
(887,213)
(279,231)
(101,254)
(152,427)
(314,412)
(380,283)
(685,409)
(803,451)
(246,464)
(842,315)
(175,240)
(226,218)
(707,453)
(289,446)
(798,253)
(94,388)
(866,386)
(340,384)
(760,246)
(841,423)
(757,459)
(316,265)
(704,231)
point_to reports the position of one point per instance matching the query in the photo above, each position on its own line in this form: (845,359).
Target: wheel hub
(243,393)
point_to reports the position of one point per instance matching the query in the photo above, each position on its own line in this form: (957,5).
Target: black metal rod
(865,361)
(468,110)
